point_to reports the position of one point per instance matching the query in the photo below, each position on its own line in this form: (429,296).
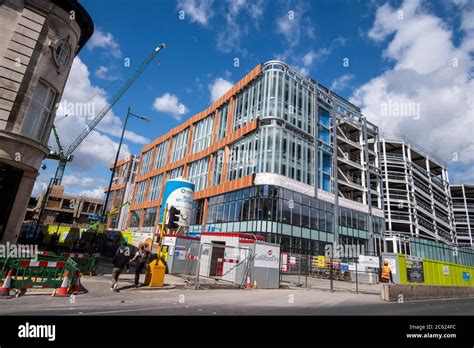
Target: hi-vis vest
(385,272)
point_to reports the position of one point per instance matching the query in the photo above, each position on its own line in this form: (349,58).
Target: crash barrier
(86,263)
(43,272)
(45,256)
(404,292)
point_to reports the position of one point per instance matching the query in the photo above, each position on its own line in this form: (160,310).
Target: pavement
(179,298)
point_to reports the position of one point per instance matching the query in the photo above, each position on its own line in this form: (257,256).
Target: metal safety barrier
(86,263)
(41,273)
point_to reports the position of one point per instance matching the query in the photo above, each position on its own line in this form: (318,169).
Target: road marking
(126,310)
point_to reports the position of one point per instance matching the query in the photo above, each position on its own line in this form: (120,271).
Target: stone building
(38,41)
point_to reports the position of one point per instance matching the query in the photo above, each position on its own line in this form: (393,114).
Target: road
(180,301)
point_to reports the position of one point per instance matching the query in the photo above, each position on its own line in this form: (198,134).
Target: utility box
(181,250)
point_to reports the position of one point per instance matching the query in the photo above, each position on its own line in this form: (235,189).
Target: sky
(383,56)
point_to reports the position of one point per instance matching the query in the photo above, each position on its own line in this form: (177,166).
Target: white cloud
(39,187)
(106,41)
(467,23)
(229,38)
(218,88)
(198,11)
(308,58)
(97,192)
(170,104)
(293,24)
(430,72)
(81,101)
(103,73)
(80,181)
(304,62)
(342,82)
(84,186)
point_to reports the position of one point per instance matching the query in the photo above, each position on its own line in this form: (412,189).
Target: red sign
(284,262)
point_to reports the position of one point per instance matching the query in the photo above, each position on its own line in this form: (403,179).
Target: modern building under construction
(417,198)
(463,209)
(273,157)
(121,192)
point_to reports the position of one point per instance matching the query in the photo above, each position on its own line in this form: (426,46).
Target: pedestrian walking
(141,257)
(120,262)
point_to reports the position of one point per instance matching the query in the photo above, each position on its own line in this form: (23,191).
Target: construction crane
(65,157)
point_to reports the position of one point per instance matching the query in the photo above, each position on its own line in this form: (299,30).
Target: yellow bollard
(155,274)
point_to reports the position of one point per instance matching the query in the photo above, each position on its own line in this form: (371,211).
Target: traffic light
(173,217)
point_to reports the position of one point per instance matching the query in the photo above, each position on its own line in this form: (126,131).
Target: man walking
(120,261)
(141,256)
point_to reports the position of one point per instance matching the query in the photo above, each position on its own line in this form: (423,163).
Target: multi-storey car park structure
(121,192)
(463,209)
(265,158)
(416,191)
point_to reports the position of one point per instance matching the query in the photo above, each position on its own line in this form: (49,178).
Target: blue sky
(408,51)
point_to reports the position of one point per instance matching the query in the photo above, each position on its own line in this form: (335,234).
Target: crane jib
(67,157)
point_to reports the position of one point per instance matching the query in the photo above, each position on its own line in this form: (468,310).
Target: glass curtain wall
(161,153)
(178,149)
(197,173)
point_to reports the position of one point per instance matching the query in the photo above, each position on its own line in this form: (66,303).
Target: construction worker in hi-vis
(386,273)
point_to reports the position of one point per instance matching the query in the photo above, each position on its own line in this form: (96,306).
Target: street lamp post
(129,113)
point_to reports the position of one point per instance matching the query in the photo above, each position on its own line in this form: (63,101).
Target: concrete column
(12,230)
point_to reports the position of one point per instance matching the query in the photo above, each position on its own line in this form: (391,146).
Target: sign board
(178,193)
(284,262)
(321,261)
(393,265)
(445,270)
(344,266)
(267,256)
(466,276)
(292,261)
(414,267)
(352,266)
(169,240)
(369,261)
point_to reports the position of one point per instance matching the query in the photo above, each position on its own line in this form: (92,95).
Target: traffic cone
(76,288)
(254,284)
(62,292)
(248,285)
(5,289)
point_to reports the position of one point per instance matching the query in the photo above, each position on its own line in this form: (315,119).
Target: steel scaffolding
(416,191)
(463,210)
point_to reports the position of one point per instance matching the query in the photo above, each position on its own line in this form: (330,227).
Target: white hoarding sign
(169,240)
(393,265)
(267,256)
(369,261)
